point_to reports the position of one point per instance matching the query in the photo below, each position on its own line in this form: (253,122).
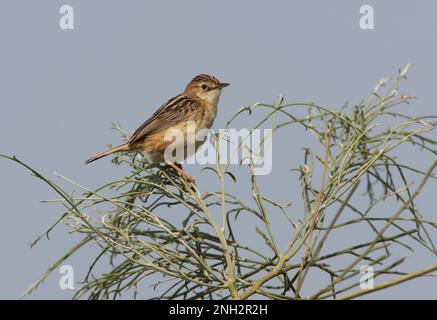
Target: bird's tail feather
(122,147)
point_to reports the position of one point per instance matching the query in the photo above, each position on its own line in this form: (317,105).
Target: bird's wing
(178,109)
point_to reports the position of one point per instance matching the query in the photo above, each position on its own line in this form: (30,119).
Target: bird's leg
(178,168)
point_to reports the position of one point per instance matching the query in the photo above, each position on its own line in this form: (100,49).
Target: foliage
(204,254)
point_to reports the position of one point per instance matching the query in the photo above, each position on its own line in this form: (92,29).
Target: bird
(196,105)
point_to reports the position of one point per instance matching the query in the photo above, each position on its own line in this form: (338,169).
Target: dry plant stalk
(203,253)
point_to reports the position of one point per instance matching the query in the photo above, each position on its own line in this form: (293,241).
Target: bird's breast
(187,135)
(209,112)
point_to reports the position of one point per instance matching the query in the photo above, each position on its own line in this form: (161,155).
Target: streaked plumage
(198,103)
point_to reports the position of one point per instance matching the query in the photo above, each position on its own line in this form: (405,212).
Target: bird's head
(205,88)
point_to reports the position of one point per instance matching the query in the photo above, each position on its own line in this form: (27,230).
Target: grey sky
(60,90)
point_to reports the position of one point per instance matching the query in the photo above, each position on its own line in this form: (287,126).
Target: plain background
(60,90)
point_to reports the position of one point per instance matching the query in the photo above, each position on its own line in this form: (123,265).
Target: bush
(203,252)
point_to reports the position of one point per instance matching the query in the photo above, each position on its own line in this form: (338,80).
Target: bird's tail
(122,147)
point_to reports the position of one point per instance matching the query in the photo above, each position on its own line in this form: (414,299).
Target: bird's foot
(178,167)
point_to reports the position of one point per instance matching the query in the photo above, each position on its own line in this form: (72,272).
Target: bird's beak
(222,85)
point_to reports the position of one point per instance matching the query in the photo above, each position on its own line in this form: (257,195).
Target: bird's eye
(205,87)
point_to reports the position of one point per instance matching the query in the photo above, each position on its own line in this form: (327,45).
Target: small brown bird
(196,105)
